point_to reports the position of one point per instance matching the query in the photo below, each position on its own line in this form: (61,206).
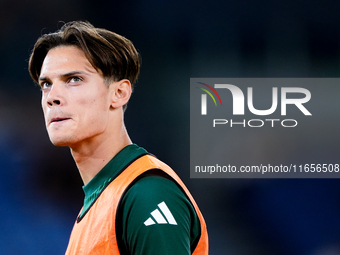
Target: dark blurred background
(40,188)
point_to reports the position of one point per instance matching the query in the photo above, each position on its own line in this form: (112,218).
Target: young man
(134,203)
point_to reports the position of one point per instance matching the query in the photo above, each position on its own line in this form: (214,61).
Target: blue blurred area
(30,222)
(40,186)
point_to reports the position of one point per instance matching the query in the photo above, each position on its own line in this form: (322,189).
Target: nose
(54,96)
(56,102)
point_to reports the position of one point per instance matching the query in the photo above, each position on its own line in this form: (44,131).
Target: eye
(74,79)
(45,85)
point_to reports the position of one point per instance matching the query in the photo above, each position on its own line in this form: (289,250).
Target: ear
(120,93)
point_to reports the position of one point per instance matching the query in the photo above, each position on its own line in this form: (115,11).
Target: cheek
(43,101)
(44,107)
(90,105)
(94,108)
(101,100)
(92,97)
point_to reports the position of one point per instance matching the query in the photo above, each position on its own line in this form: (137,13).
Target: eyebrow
(43,78)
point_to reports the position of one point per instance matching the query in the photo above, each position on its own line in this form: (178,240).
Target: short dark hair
(114,55)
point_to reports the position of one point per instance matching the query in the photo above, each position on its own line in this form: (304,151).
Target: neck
(91,156)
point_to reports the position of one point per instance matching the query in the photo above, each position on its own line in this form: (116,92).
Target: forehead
(64,59)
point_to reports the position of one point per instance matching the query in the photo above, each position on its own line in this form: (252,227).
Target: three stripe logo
(158,216)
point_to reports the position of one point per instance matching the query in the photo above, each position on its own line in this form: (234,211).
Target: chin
(60,141)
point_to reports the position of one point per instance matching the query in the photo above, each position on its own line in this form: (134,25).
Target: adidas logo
(158,216)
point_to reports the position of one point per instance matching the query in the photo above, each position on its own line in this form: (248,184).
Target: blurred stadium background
(40,188)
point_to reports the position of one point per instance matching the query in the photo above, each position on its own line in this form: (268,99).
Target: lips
(58,119)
